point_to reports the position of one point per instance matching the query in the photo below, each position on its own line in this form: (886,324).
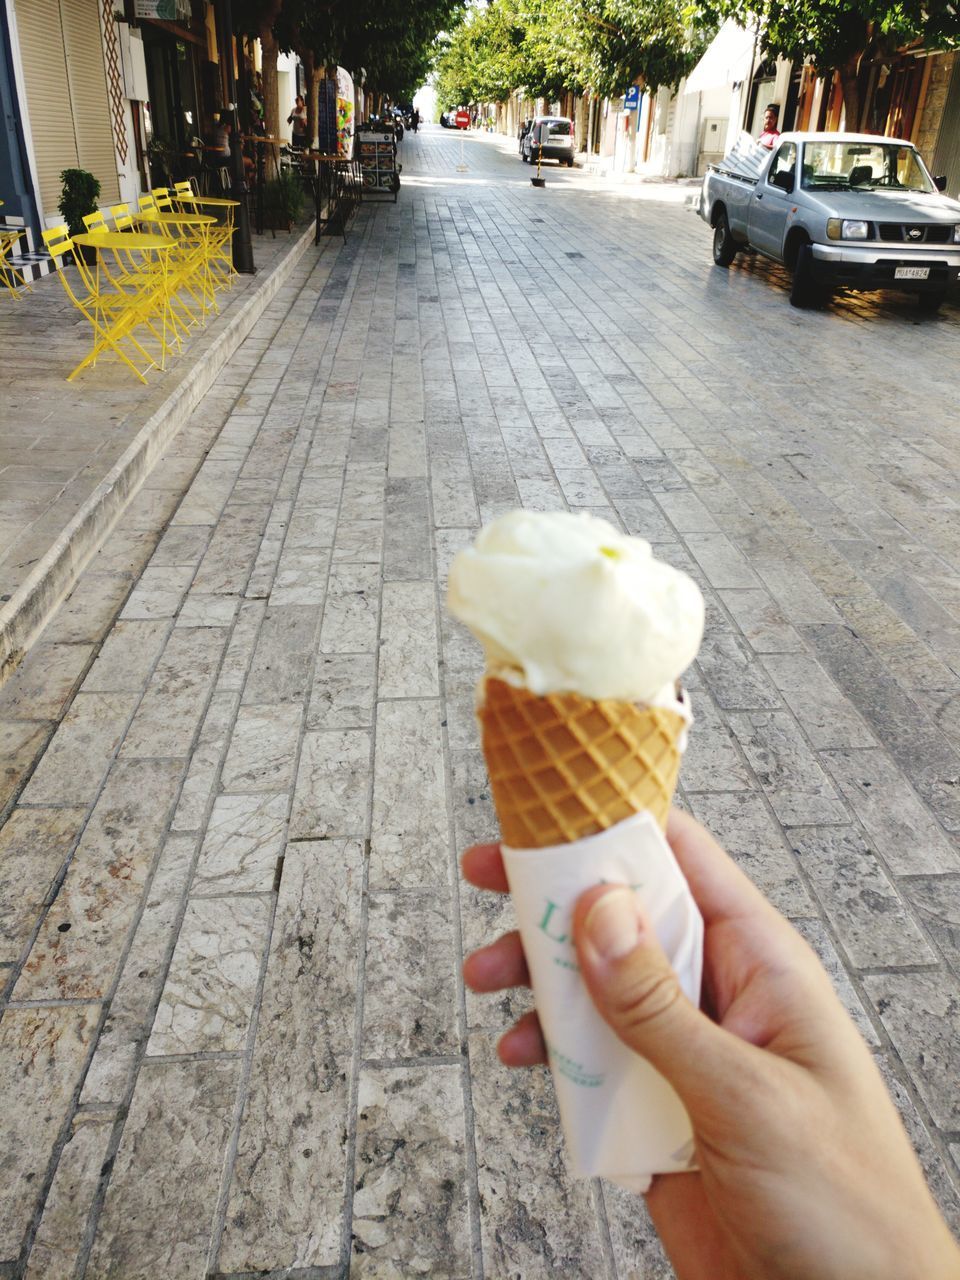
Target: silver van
(551,136)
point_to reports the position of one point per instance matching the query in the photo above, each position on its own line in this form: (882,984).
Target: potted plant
(283,201)
(77,198)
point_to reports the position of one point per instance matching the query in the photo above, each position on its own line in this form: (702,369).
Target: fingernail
(612,925)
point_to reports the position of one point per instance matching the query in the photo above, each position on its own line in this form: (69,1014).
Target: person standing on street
(771,127)
(298,119)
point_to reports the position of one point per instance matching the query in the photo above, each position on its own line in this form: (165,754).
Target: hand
(805,1170)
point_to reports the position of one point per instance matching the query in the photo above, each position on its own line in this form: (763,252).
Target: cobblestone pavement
(241,761)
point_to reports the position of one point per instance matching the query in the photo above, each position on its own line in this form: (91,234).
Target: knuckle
(645,998)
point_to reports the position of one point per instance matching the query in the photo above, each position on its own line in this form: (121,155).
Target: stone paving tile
(409,839)
(127,657)
(907,837)
(409,1202)
(344,692)
(243,840)
(859,900)
(408,641)
(331,797)
(21,743)
(173,704)
(410,1007)
(754,839)
(263,749)
(43,682)
(286,1197)
(158,1216)
(787,770)
(936,899)
(921,1012)
(535,1219)
(80,750)
(207,1000)
(82,937)
(34,846)
(282,661)
(158,593)
(42,1052)
(134,1001)
(59,1240)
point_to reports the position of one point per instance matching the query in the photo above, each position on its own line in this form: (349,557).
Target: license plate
(911,273)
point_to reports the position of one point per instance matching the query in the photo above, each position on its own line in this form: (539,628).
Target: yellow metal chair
(9,274)
(137,276)
(113,316)
(220,235)
(95,222)
(193,252)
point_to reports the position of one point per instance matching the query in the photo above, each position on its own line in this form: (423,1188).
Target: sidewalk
(241,760)
(73,453)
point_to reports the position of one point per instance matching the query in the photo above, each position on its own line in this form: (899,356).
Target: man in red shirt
(770,133)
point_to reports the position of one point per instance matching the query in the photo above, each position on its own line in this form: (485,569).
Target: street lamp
(242,244)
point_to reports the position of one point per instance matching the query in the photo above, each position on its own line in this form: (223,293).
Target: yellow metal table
(118,323)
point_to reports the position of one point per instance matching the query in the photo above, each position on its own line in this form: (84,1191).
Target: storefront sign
(171,10)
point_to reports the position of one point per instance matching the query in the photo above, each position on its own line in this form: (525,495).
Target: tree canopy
(843,35)
(392,45)
(548,47)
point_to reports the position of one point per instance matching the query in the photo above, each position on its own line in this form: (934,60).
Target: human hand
(805,1170)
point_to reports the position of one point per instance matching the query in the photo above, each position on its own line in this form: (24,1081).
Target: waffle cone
(563,767)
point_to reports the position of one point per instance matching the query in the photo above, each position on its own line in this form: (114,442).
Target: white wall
(286,90)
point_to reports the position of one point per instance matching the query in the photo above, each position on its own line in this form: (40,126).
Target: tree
(257,18)
(845,35)
(547,48)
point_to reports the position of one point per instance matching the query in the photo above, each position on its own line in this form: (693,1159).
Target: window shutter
(88,94)
(48,96)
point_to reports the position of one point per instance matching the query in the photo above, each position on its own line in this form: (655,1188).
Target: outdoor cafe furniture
(114,314)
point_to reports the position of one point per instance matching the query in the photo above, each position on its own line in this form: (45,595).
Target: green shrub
(78,197)
(283,200)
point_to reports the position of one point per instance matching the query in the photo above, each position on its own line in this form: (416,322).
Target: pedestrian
(771,131)
(415,120)
(298,119)
(805,1171)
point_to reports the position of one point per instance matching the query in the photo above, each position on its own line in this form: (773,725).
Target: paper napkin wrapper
(621,1119)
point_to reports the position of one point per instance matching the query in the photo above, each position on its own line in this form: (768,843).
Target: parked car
(841,210)
(550,136)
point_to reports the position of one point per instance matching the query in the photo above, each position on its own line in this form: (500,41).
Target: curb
(32,604)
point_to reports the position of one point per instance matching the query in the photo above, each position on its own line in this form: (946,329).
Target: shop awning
(727,61)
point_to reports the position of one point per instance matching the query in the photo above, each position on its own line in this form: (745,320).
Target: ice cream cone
(563,766)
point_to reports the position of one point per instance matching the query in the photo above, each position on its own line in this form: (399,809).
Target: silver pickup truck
(841,210)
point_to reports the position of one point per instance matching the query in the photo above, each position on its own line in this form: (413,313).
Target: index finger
(482,866)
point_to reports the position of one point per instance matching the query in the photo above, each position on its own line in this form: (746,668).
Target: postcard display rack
(378,164)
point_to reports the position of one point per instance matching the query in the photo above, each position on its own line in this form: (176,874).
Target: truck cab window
(784,167)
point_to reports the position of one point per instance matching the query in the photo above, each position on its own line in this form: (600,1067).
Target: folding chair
(112,316)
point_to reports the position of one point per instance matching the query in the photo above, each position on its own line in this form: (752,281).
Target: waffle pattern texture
(563,767)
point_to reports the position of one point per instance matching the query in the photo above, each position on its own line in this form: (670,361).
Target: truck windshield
(837,166)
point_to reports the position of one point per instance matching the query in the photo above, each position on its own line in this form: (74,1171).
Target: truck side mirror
(940,182)
(783,179)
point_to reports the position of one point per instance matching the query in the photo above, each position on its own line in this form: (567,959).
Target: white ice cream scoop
(566,603)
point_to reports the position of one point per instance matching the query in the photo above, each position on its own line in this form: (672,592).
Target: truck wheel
(724,245)
(805,291)
(930,303)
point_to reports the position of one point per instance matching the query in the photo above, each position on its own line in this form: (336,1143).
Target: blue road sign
(631,99)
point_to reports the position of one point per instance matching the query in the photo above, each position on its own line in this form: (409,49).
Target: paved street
(241,761)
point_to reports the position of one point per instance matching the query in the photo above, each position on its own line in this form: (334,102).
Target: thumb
(637,993)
